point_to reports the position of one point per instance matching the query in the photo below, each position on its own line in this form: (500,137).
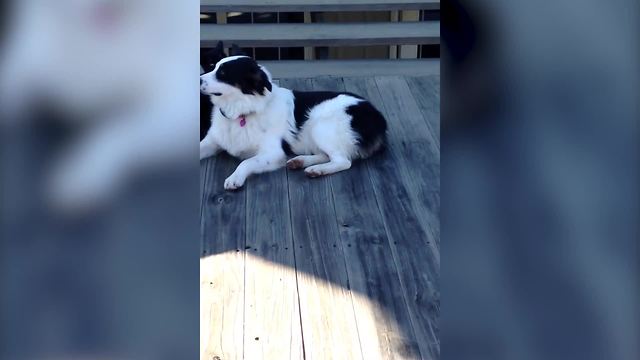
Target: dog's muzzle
(203,87)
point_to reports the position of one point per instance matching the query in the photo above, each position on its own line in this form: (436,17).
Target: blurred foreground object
(118,72)
(99,104)
(540,180)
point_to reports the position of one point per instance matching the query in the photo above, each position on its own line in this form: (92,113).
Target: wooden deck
(340,267)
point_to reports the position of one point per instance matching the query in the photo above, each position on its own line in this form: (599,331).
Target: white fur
(138,65)
(326,142)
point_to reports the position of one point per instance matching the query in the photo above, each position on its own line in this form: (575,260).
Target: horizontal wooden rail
(321,34)
(207,6)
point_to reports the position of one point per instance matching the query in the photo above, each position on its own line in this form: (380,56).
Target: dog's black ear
(263,81)
(256,81)
(210,57)
(236,51)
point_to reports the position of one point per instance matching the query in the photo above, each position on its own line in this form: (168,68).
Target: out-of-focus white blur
(119,70)
(99,174)
(540,179)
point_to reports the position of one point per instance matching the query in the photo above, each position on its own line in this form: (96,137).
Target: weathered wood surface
(341,267)
(429,100)
(272,320)
(328,319)
(383,319)
(321,34)
(222,288)
(316,5)
(396,178)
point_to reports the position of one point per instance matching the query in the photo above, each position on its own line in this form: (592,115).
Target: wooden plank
(272,316)
(321,34)
(326,306)
(222,266)
(316,5)
(349,68)
(206,166)
(381,312)
(426,92)
(412,244)
(424,180)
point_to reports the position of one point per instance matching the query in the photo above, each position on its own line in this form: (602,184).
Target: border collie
(262,123)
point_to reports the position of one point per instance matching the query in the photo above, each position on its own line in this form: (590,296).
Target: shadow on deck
(339,267)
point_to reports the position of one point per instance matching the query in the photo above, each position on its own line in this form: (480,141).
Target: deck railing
(327,30)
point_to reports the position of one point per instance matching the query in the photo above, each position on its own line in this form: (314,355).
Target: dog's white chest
(240,139)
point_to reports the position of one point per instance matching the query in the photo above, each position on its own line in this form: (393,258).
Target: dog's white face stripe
(226,60)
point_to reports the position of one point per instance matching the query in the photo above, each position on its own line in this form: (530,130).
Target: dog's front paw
(295,164)
(234,182)
(314,171)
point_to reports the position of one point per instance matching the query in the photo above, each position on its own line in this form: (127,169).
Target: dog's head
(237,82)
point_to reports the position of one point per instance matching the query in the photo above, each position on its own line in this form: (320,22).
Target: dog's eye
(221,73)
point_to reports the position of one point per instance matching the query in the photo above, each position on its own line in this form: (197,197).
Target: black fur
(210,57)
(287,148)
(305,100)
(208,61)
(245,74)
(368,122)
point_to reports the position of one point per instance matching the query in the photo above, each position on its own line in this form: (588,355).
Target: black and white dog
(262,123)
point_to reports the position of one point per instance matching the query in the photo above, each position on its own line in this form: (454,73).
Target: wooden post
(409,51)
(308,50)
(221,17)
(393,49)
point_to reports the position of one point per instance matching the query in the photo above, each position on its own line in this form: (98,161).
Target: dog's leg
(304,161)
(255,165)
(337,163)
(330,145)
(208,147)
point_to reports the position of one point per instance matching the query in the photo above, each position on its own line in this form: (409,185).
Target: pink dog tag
(243,121)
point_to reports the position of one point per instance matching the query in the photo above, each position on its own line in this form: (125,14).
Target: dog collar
(242,118)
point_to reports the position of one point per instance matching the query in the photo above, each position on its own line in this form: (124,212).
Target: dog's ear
(260,82)
(218,52)
(263,81)
(209,58)
(236,51)
(256,81)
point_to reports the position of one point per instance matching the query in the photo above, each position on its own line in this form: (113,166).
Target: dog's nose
(201,81)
